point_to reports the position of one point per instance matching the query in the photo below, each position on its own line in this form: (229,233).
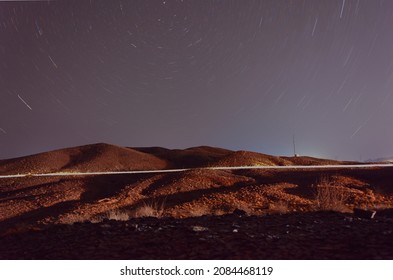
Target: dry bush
(329,196)
(118,215)
(152,209)
(246,208)
(279,207)
(72,219)
(219,212)
(198,211)
(114,214)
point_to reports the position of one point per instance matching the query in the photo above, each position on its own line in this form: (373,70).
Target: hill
(105,157)
(32,201)
(95,157)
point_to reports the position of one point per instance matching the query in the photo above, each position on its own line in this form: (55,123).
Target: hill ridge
(108,157)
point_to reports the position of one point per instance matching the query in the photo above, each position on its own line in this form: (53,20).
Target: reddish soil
(40,217)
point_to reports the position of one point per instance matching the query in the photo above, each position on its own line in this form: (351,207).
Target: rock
(235,225)
(105,226)
(199,228)
(348,219)
(239,212)
(364,213)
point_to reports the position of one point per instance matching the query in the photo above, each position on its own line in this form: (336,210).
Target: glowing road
(271,167)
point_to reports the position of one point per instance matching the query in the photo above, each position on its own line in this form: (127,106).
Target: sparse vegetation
(114,214)
(329,196)
(152,209)
(279,207)
(198,211)
(71,219)
(118,215)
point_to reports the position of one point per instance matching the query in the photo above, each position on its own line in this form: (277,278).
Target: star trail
(243,75)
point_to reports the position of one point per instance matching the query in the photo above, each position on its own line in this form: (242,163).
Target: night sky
(243,75)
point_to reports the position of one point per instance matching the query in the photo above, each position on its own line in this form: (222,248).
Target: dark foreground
(317,235)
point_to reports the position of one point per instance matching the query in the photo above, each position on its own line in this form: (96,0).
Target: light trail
(270,167)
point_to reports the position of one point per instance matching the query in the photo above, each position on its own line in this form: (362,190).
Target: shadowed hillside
(96,157)
(195,192)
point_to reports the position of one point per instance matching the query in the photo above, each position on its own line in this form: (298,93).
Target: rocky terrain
(281,213)
(313,235)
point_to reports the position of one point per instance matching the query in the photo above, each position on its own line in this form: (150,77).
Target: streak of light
(108,90)
(280,96)
(372,44)
(54,64)
(342,9)
(342,85)
(357,130)
(288,167)
(27,105)
(260,22)
(346,106)
(301,101)
(2,130)
(315,25)
(348,56)
(357,7)
(364,123)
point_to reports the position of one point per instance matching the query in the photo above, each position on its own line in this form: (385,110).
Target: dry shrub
(188,210)
(118,215)
(115,214)
(219,212)
(279,207)
(152,209)
(72,219)
(198,211)
(329,196)
(246,208)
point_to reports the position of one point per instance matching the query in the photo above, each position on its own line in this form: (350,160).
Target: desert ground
(195,214)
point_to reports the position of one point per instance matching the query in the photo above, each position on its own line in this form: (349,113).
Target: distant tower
(294,147)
